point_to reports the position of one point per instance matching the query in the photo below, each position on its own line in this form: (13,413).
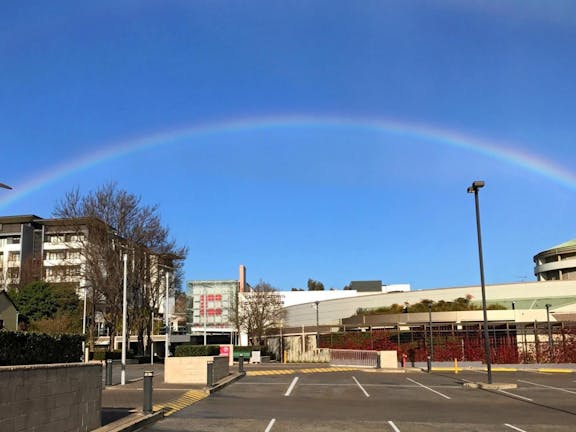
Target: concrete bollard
(108,372)
(241,363)
(148,376)
(210,374)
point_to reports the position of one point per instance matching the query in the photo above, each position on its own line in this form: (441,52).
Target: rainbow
(498,150)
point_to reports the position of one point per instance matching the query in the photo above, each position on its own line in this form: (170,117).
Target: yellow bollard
(456,366)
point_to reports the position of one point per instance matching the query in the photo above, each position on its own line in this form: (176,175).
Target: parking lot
(369,400)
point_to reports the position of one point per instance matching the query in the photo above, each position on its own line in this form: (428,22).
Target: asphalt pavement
(277,398)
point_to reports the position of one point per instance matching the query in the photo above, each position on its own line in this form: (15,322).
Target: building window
(74,254)
(55,255)
(74,237)
(14,257)
(55,238)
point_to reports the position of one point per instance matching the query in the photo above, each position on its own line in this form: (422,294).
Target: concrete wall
(50,398)
(388,359)
(527,295)
(193,370)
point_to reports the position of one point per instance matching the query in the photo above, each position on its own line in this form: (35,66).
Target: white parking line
(361,388)
(514,427)
(550,387)
(269,427)
(393,426)
(294,381)
(515,395)
(428,388)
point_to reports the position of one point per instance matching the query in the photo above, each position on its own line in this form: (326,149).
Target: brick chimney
(242,278)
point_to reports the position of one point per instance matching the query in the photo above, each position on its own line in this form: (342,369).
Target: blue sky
(329,140)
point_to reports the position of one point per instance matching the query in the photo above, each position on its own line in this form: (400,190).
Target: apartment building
(33,248)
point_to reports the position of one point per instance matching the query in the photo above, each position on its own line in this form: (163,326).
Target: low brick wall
(50,398)
(192,370)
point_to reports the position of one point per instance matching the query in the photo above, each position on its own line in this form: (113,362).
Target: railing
(356,358)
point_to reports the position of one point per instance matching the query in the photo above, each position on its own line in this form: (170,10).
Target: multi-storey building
(33,248)
(212,304)
(556,263)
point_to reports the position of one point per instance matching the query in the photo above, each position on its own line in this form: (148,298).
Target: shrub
(197,350)
(110,355)
(17,348)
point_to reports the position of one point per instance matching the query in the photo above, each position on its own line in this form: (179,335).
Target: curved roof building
(556,263)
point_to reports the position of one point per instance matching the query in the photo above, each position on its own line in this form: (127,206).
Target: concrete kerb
(486,386)
(131,423)
(225,381)
(393,370)
(501,369)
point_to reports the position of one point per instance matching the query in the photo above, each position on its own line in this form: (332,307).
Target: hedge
(102,354)
(18,348)
(197,350)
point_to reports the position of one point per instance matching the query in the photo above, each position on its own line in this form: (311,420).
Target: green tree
(314,285)
(36,301)
(49,309)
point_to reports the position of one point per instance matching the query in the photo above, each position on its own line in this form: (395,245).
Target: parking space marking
(428,388)
(269,427)
(514,427)
(360,385)
(515,395)
(549,387)
(393,426)
(292,385)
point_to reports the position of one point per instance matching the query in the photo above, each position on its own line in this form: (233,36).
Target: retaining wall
(50,398)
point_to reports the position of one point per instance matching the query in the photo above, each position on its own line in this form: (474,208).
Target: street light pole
(550,340)
(317,303)
(167,320)
(281,342)
(124,319)
(205,313)
(4,186)
(431,335)
(84,326)
(474,189)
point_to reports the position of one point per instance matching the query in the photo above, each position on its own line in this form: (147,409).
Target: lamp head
(475,186)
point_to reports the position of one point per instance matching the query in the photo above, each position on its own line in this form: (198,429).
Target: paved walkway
(122,400)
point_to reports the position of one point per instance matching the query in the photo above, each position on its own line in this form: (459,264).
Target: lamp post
(281,342)
(4,186)
(167,319)
(124,319)
(474,189)
(550,340)
(317,303)
(431,338)
(84,325)
(205,314)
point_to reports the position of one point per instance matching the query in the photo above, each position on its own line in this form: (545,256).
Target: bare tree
(258,310)
(115,222)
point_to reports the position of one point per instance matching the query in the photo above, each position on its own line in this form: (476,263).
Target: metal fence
(357,358)
(532,342)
